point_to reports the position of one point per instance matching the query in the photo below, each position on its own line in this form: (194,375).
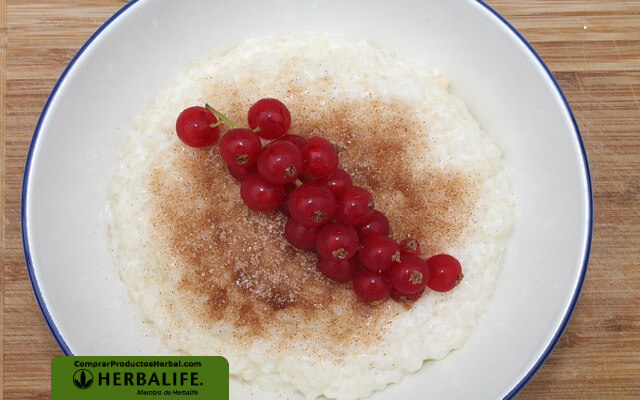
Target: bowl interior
(505,86)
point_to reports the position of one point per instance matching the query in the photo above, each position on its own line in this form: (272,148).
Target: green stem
(225,120)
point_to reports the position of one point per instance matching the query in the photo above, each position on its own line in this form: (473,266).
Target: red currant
(311,204)
(280,162)
(338,270)
(355,206)
(241,173)
(446,272)
(377,225)
(379,252)
(299,236)
(288,188)
(321,159)
(295,139)
(338,182)
(410,275)
(338,241)
(271,117)
(239,148)
(370,285)
(261,195)
(405,297)
(410,247)
(194,127)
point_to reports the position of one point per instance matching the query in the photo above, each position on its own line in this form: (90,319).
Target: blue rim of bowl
(585,258)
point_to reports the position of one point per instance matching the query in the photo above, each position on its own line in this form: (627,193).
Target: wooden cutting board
(593,48)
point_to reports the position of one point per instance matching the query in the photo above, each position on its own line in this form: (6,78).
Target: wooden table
(593,48)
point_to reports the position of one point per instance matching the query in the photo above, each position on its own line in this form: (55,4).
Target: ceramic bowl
(505,84)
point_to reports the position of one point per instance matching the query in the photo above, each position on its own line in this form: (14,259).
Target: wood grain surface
(593,48)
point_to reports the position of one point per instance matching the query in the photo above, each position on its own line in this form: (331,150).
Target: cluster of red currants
(327,213)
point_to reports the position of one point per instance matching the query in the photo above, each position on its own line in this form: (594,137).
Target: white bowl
(504,82)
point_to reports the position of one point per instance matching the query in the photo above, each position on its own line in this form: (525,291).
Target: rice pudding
(216,278)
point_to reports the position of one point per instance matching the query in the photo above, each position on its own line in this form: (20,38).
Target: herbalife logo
(83,379)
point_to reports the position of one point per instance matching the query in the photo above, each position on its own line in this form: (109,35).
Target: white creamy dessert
(216,278)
